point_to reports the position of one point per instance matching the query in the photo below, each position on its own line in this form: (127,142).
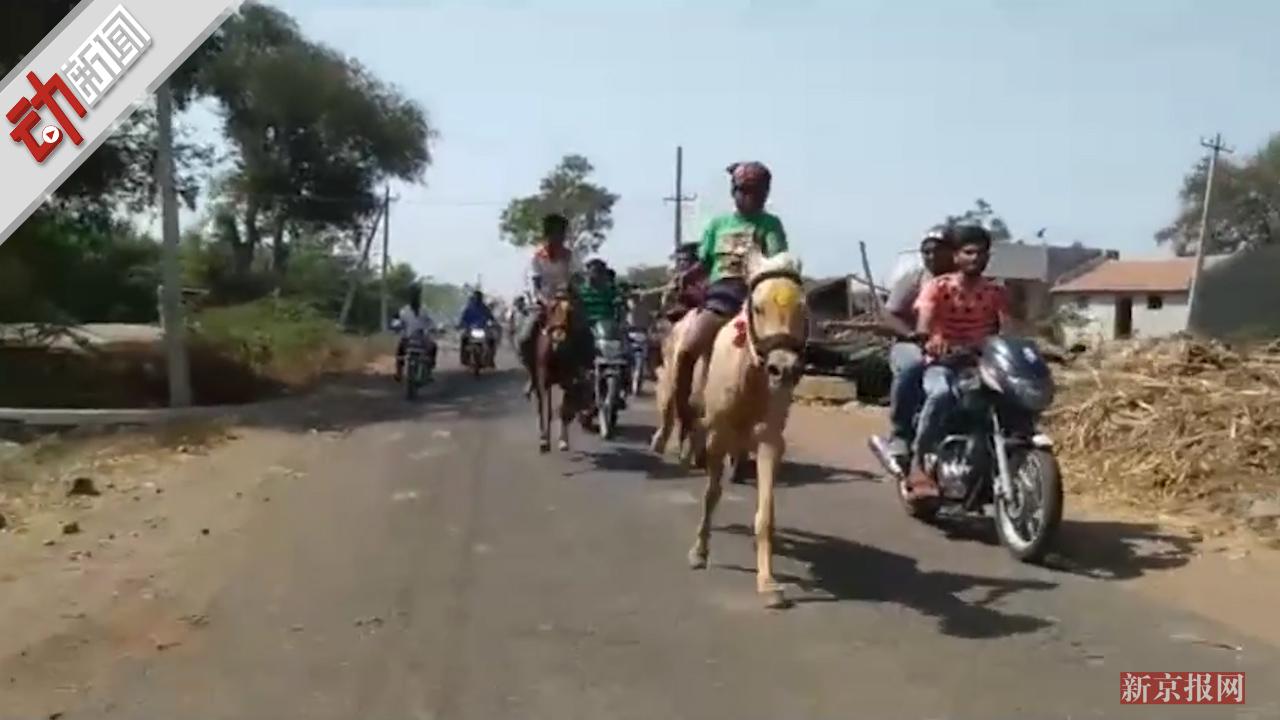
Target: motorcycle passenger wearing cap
(723,253)
(906,357)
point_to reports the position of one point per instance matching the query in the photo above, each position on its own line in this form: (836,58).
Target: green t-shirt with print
(728,239)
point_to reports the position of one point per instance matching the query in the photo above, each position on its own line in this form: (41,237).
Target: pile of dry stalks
(1174,420)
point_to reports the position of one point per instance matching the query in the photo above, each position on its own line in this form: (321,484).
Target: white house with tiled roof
(1120,299)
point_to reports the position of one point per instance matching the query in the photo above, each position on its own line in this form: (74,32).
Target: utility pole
(1215,147)
(359,269)
(679,199)
(171,293)
(386,242)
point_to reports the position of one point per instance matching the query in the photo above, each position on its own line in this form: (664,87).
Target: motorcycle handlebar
(958,354)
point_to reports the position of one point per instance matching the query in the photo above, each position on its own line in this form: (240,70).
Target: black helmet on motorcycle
(1015,367)
(939,235)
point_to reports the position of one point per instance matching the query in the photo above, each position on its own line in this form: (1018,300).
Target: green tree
(982,214)
(59,271)
(314,134)
(567,190)
(75,259)
(1245,207)
(118,175)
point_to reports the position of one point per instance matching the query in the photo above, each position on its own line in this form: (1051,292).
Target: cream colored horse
(755,364)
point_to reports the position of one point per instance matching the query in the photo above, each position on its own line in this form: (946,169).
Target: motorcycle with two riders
(993,459)
(477,346)
(415,364)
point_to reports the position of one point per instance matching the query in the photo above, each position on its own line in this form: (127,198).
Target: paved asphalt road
(433,565)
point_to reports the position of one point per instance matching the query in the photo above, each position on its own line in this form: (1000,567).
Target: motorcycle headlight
(477,334)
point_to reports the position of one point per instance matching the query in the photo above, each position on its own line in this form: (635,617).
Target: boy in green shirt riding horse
(723,251)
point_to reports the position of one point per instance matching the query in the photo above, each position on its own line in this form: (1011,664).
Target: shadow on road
(619,458)
(841,570)
(629,452)
(347,401)
(1112,550)
(796,473)
(1102,549)
(635,433)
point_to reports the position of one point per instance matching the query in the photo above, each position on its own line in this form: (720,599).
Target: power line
(374,202)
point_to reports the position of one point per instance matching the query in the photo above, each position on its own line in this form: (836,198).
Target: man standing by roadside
(906,357)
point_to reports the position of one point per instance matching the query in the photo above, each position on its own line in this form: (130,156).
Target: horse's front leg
(768,459)
(710,498)
(544,430)
(542,394)
(566,416)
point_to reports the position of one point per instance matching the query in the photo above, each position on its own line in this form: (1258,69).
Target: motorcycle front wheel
(608,408)
(1028,520)
(411,381)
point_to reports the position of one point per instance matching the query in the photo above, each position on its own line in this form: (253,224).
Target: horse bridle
(762,346)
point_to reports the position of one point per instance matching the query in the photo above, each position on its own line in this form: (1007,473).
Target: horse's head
(558,319)
(777,317)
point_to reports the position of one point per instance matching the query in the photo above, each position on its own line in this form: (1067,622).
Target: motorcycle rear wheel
(1037,470)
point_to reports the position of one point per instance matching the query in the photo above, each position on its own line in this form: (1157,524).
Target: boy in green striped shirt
(599,295)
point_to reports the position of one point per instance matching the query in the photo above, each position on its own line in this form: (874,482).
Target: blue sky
(878,118)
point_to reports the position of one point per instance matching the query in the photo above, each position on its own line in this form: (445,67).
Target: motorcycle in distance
(418,362)
(638,349)
(476,352)
(992,452)
(608,377)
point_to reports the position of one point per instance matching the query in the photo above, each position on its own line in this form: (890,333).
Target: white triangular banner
(86,77)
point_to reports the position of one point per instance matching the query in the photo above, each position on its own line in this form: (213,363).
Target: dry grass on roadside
(36,477)
(1173,422)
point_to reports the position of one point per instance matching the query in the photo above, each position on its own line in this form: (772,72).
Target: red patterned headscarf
(750,174)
